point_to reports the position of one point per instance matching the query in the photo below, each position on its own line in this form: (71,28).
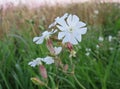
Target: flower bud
(37,81)
(43,71)
(69,46)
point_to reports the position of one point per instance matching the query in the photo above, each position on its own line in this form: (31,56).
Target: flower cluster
(68,31)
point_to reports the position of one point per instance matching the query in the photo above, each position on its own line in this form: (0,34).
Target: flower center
(70,29)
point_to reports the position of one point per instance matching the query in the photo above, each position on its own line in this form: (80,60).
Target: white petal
(48,60)
(78,37)
(57,50)
(46,33)
(80,31)
(66,38)
(61,28)
(61,22)
(35,62)
(32,64)
(83,30)
(40,41)
(75,19)
(52,25)
(69,38)
(54,31)
(73,41)
(80,24)
(35,39)
(69,20)
(61,35)
(64,16)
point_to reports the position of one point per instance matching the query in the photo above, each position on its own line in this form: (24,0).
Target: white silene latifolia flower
(87,54)
(45,35)
(110,38)
(38,61)
(35,62)
(88,50)
(71,29)
(97,46)
(101,39)
(96,12)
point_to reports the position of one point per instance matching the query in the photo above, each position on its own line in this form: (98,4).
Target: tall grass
(99,70)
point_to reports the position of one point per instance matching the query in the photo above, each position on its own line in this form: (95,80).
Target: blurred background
(91,11)
(20,12)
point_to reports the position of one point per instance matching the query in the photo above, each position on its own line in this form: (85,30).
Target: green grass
(99,70)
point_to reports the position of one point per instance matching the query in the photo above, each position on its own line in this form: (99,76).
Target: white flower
(38,61)
(110,38)
(45,35)
(48,60)
(88,49)
(35,62)
(101,39)
(87,54)
(71,29)
(97,46)
(111,48)
(96,11)
(57,50)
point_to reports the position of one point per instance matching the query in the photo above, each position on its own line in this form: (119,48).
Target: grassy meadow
(97,69)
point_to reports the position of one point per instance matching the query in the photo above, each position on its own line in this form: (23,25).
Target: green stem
(71,60)
(47,87)
(78,82)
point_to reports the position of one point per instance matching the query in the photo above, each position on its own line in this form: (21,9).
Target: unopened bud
(65,68)
(43,71)
(50,46)
(69,46)
(37,81)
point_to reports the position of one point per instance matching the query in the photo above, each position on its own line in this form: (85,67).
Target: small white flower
(110,38)
(101,39)
(111,48)
(48,60)
(45,35)
(35,62)
(71,29)
(96,12)
(88,49)
(38,61)
(57,50)
(87,54)
(97,46)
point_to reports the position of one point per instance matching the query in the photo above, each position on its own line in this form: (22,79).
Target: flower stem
(78,82)
(71,60)
(47,87)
